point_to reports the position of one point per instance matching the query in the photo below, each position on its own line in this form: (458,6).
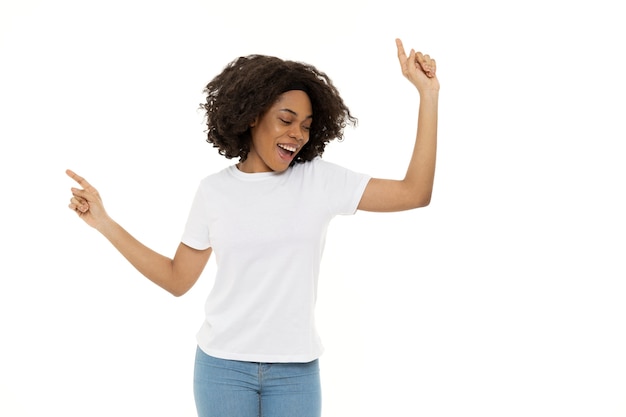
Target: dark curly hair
(250,85)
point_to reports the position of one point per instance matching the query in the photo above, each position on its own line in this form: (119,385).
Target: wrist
(429,96)
(106,225)
(429,92)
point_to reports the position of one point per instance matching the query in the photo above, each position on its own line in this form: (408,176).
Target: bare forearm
(415,190)
(176,275)
(420,174)
(154,266)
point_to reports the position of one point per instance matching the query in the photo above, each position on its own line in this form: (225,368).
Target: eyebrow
(295,114)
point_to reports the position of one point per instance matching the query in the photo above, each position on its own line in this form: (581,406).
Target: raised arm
(415,190)
(175,275)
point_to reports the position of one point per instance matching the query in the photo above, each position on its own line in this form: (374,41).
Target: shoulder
(217,181)
(317,166)
(328,174)
(219,176)
(324,168)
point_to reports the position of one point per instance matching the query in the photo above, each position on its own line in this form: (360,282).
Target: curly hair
(250,85)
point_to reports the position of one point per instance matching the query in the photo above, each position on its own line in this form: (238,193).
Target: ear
(254,122)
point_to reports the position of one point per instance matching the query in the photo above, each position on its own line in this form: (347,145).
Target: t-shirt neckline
(254,176)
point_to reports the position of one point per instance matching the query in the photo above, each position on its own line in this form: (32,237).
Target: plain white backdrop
(504,297)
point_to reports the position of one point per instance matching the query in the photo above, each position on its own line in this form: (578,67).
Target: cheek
(276,131)
(266,135)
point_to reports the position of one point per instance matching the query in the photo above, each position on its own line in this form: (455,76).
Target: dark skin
(275,134)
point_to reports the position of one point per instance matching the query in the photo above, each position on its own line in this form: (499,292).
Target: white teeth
(288,147)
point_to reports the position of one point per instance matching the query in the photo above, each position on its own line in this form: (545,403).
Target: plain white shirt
(267,231)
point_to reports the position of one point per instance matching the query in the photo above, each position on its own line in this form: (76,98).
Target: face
(279,134)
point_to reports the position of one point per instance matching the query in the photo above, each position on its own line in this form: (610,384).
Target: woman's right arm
(175,275)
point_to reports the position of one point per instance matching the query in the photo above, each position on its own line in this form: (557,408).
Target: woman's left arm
(416,188)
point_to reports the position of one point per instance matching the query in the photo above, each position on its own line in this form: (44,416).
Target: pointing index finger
(80,180)
(401,53)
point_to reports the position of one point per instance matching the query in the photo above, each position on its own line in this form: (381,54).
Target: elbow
(178,284)
(426,199)
(417,194)
(177,289)
(422,200)
(424,203)
(421,204)
(178,292)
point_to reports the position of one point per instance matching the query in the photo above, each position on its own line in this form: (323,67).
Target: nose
(297,133)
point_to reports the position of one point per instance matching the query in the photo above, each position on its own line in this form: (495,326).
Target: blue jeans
(227,388)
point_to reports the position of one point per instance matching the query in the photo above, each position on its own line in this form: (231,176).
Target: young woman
(266,219)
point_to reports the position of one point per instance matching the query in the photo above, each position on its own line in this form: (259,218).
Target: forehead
(295,100)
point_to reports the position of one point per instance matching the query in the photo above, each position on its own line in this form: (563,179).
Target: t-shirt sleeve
(343,188)
(196,233)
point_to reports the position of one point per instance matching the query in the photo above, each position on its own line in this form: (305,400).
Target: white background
(505,297)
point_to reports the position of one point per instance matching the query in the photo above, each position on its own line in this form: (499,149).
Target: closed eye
(288,122)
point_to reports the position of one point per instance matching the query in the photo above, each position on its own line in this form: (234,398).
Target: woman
(266,219)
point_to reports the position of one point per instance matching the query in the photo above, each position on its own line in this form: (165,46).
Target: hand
(86,202)
(418,68)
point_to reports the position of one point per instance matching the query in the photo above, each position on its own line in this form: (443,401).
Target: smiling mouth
(288,151)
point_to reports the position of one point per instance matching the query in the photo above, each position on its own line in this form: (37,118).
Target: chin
(281,168)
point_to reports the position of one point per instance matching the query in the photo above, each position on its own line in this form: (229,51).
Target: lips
(287,151)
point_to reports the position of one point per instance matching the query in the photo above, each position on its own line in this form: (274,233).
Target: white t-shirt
(267,231)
